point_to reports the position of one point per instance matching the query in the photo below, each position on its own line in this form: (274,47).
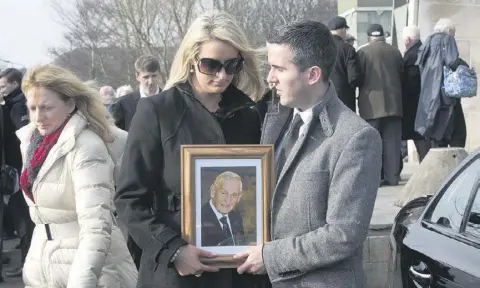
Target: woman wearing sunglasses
(207,100)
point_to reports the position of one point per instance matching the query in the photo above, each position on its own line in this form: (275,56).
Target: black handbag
(8,174)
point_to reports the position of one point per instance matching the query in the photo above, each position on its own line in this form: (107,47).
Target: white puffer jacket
(73,193)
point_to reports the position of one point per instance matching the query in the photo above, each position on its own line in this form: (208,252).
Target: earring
(191,69)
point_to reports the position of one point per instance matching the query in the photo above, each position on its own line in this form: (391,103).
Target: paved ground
(14,255)
(384,211)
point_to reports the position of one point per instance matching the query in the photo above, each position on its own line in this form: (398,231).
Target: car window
(449,210)
(473,223)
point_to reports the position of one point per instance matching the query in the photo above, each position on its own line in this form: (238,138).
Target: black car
(435,240)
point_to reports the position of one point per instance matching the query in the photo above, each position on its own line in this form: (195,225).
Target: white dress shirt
(220,215)
(142,95)
(306,116)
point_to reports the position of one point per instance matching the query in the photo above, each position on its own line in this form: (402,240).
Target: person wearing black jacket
(346,73)
(10,81)
(411,91)
(10,149)
(16,108)
(147,70)
(205,101)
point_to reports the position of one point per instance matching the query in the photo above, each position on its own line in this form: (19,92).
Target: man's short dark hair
(12,75)
(311,44)
(147,63)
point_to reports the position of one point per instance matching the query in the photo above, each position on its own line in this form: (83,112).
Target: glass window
(473,223)
(366,18)
(450,209)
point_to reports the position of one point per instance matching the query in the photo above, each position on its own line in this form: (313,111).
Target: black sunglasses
(210,66)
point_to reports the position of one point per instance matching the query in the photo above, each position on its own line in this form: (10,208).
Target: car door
(442,249)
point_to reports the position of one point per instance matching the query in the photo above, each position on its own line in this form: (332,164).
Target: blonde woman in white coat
(70,151)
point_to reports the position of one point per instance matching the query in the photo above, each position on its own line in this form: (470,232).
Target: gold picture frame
(207,196)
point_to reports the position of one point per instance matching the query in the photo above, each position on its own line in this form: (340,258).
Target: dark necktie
(291,136)
(226,228)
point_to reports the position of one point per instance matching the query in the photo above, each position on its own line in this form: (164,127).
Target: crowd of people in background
(81,173)
(401,95)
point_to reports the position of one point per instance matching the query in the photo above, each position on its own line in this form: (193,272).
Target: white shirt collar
(218,214)
(142,94)
(306,115)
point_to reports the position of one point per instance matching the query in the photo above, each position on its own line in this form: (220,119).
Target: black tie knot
(224,220)
(296,124)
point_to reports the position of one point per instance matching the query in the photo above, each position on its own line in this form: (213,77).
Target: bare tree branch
(113,33)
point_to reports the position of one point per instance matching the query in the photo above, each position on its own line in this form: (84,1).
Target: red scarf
(37,152)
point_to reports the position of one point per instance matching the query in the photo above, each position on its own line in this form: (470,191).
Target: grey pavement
(375,248)
(384,212)
(14,254)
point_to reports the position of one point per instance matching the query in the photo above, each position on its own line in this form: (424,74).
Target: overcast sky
(27,30)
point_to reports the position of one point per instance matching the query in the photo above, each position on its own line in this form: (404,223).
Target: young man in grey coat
(328,163)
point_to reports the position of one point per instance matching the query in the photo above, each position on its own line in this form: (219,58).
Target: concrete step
(435,168)
(15,259)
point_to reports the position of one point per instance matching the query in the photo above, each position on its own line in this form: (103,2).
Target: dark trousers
(26,240)
(390,129)
(8,223)
(22,221)
(459,135)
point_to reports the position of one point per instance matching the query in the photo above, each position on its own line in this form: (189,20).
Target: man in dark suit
(147,72)
(328,169)
(346,73)
(221,224)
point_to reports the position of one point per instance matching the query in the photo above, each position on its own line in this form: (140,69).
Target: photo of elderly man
(221,224)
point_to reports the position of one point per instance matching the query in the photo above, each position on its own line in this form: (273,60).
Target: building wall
(366,18)
(361,13)
(375,3)
(345,5)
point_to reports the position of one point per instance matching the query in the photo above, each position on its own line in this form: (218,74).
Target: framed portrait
(225,198)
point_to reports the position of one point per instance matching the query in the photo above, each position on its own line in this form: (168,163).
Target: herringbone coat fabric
(324,197)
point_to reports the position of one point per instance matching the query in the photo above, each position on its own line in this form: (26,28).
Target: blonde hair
(70,87)
(218,25)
